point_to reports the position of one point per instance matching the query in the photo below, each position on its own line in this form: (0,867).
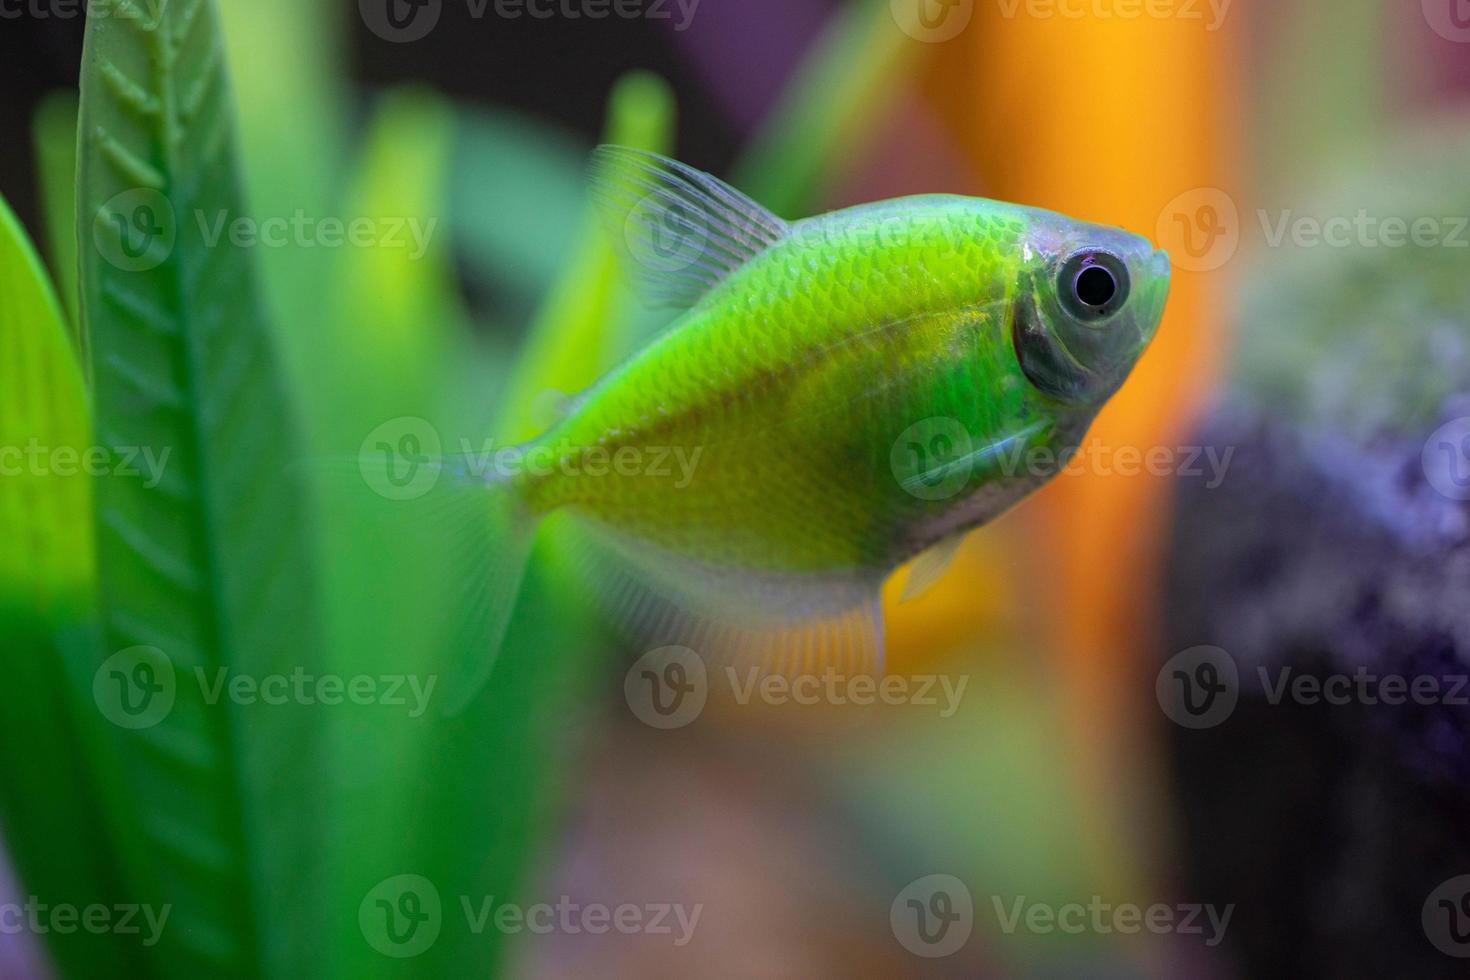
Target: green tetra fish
(840,395)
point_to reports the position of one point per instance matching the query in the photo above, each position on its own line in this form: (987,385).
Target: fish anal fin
(929,567)
(788,625)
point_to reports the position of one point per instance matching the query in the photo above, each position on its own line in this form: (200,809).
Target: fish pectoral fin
(683,231)
(972,460)
(930,566)
(787,625)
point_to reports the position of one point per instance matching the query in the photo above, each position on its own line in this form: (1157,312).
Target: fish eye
(1093,285)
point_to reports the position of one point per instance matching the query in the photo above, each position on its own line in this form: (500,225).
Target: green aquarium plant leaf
(204,557)
(55,134)
(392,312)
(825,113)
(286,62)
(396,307)
(52,812)
(516,195)
(42,405)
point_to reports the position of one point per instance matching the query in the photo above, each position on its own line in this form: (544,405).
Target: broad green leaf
(47,563)
(51,810)
(55,135)
(392,314)
(395,306)
(204,562)
(286,60)
(825,113)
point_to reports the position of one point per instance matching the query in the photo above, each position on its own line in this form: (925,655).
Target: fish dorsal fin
(682,230)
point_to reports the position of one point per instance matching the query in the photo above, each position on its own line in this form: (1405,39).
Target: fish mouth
(1161,272)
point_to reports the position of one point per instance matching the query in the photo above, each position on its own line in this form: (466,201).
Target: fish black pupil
(1095,286)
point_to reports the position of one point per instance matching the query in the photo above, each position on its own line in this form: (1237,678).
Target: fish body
(841,393)
(789,389)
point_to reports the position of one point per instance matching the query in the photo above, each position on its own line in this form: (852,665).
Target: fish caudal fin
(490,560)
(481,537)
(787,625)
